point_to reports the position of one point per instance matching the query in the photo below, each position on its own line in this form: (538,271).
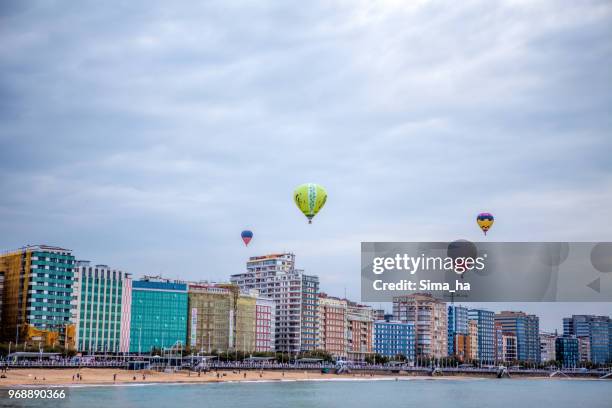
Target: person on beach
(114,377)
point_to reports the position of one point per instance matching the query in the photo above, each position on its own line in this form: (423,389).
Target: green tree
(376,359)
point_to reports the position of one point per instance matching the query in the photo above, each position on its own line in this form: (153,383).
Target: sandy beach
(46,377)
(110,376)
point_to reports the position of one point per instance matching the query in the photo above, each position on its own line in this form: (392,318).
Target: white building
(584,348)
(430,318)
(547,347)
(295,295)
(509,347)
(101,308)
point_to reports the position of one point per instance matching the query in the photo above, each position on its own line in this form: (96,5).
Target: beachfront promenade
(379,369)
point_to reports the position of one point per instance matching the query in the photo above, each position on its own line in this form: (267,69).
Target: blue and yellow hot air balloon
(485,221)
(310,198)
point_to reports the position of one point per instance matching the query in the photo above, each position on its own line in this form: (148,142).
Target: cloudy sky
(146,135)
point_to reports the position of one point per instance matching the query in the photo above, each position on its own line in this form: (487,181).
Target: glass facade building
(99,304)
(310,312)
(526,328)
(457,325)
(158,315)
(597,330)
(392,338)
(567,351)
(485,322)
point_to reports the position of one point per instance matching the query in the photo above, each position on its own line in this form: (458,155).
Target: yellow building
(220,318)
(245,323)
(36,296)
(473,339)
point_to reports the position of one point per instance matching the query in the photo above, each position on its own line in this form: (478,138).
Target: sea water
(457,393)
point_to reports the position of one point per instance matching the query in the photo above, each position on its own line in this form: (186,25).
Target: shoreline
(40,378)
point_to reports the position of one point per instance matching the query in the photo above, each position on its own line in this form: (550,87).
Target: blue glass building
(392,338)
(566,350)
(526,328)
(485,321)
(457,324)
(597,329)
(158,315)
(610,340)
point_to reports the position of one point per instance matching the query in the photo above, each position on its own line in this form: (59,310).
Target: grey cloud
(148,134)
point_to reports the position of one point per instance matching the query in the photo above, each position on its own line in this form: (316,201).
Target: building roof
(32,354)
(308,360)
(165,286)
(44,247)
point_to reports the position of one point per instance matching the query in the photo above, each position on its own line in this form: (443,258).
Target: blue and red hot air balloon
(246,236)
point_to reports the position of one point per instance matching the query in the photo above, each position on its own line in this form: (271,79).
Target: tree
(376,359)
(400,357)
(322,354)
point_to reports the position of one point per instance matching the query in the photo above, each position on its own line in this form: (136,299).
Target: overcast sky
(146,135)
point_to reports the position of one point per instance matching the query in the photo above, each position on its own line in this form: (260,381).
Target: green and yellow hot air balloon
(310,198)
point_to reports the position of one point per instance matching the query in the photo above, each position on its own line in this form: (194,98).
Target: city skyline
(50,297)
(549,322)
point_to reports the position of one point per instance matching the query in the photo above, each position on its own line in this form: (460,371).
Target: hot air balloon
(485,221)
(246,236)
(310,198)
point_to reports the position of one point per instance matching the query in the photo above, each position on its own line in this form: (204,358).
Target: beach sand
(104,376)
(50,377)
